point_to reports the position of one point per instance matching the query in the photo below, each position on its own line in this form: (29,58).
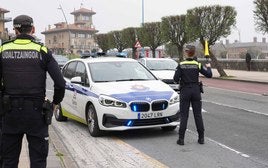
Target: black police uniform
(24,64)
(187,74)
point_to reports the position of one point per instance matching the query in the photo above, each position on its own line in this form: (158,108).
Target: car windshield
(161,64)
(119,71)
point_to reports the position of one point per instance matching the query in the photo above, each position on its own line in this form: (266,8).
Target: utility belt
(9,101)
(200,84)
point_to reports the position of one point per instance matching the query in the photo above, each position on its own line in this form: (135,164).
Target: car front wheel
(92,122)
(58,114)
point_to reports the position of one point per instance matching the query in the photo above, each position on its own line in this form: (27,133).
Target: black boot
(201,139)
(180,141)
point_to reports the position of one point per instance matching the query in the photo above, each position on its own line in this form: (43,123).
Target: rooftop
(2,10)
(83,10)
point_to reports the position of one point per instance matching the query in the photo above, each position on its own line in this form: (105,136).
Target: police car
(112,93)
(162,68)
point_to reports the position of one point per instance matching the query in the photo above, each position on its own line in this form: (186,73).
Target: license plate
(150,115)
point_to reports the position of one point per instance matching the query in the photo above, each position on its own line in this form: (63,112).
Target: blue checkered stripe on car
(147,96)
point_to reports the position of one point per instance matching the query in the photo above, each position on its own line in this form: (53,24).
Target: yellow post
(206,49)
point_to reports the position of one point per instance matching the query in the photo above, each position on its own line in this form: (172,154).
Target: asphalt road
(236,136)
(240,132)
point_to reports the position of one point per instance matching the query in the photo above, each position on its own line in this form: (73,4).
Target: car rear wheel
(169,128)
(92,122)
(58,114)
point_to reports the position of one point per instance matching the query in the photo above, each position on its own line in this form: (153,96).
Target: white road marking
(223,146)
(229,148)
(247,110)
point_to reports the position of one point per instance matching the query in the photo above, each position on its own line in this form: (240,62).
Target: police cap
(190,48)
(22,21)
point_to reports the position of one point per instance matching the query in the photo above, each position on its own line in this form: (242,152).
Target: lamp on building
(69,32)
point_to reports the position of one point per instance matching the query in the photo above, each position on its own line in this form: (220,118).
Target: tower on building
(76,38)
(3,31)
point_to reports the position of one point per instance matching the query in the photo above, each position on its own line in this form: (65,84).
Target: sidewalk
(251,76)
(53,160)
(58,156)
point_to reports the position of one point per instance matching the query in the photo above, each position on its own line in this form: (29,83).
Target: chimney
(264,40)
(255,39)
(227,41)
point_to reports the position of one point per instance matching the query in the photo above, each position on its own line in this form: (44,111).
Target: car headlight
(112,102)
(174,99)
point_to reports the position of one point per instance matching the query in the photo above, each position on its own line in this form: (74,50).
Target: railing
(4,36)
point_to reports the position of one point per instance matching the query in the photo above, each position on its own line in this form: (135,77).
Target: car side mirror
(77,80)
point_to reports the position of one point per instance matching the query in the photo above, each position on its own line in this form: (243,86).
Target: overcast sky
(119,14)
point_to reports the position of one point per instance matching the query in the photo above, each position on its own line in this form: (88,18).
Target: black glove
(201,87)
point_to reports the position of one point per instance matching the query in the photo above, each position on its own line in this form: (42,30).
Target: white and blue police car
(115,94)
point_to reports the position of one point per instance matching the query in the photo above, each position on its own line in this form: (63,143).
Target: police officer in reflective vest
(187,74)
(24,66)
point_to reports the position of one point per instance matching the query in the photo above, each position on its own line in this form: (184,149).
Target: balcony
(6,19)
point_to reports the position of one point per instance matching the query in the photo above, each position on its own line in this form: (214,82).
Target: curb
(61,150)
(233,78)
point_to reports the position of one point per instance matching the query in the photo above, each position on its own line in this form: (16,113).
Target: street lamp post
(142,22)
(239,36)
(69,32)
(142,12)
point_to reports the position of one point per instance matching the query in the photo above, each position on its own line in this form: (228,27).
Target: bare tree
(129,38)
(174,32)
(103,41)
(150,35)
(261,15)
(116,39)
(211,23)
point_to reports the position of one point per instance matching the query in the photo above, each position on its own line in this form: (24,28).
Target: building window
(54,39)
(85,18)
(80,35)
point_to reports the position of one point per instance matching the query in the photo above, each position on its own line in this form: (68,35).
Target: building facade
(75,38)
(257,49)
(3,31)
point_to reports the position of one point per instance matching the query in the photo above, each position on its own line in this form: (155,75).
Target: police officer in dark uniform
(187,74)
(24,65)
